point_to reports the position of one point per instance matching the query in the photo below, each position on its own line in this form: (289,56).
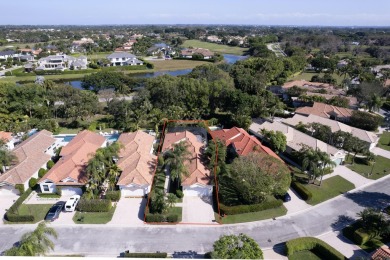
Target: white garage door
(69,191)
(129,192)
(196,191)
(8,191)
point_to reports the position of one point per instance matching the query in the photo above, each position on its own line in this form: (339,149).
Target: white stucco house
(32,154)
(69,171)
(137,163)
(198,182)
(123,59)
(62,62)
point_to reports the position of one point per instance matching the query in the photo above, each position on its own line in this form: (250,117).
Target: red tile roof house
(69,172)
(137,162)
(8,139)
(32,155)
(187,53)
(327,111)
(242,142)
(198,181)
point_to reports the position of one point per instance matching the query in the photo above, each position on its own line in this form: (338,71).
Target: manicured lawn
(64,130)
(93,217)
(214,47)
(384,141)
(329,188)
(380,169)
(39,211)
(308,75)
(164,65)
(253,216)
(176,210)
(306,255)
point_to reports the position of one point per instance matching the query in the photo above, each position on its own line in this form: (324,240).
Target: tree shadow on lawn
(366,199)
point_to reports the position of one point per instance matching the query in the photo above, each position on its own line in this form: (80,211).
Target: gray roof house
(296,139)
(62,62)
(7,54)
(123,59)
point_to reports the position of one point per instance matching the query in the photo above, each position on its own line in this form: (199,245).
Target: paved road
(110,240)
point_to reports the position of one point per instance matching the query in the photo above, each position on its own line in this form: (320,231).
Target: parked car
(71,204)
(286,197)
(54,211)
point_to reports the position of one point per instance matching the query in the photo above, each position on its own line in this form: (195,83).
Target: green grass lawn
(253,216)
(93,217)
(223,49)
(304,255)
(308,75)
(166,65)
(384,141)
(380,169)
(39,211)
(329,188)
(176,210)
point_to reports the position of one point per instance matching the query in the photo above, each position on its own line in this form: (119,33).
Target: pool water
(67,138)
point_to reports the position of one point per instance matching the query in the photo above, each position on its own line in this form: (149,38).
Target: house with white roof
(62,62)
(123,59)
(296,139)
(370,138)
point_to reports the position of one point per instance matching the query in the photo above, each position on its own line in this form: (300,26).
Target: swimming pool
(67,138)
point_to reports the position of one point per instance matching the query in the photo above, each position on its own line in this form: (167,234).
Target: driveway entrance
(129,212)
(198,210)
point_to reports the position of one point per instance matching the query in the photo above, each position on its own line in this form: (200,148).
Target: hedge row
(172,218)
(301,190)
(145,255)
(314,245)
(234,210)
(18,218)
(113,195)
(94,205)
(48,195)
(14,208)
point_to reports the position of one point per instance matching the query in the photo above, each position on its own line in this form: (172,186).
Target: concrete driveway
(129,212)
(381,152)
(197,210)
(5,203)
(296,204)
(65,218)
(34,199)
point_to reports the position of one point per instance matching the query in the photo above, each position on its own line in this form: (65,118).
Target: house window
(117,58)
(45,187)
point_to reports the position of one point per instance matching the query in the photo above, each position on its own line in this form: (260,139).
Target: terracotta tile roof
(325,110)
(352,101)
(74,159)
(198,173)
(190,52)
(136,161)
(31,157)
(382,253)
(243,142)
(7,136)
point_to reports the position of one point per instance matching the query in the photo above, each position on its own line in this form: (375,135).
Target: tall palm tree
(176,159)
(325,161)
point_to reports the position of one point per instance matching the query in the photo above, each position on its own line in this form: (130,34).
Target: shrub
(58,191)
(42,172)
(93,126)
(315,245)
(114,195)
(32,183)
(94,205)
(234,210)
(49,164)
(18,218)
(145,255)
(20,188)
(173,218)
(19,201)
(301,190)
(360,237)
(179,194)
(48,195)
(154,218)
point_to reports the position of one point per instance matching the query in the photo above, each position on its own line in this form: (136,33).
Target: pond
(229,58)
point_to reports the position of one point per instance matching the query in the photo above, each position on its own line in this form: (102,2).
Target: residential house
(137,163)
(382,253)
(8,139)
(160,48)
(30,52)
(27,58)
(214,38)
(129,45)
(78,45)
(296,139)
(32,154)
(123,59)
(62,62)
(4,55)
(327,111)
(188,53)
(69,171)
(242,142)
(198,182)
(370,138)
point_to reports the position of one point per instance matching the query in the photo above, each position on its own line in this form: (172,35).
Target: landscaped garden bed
(94,217)
(311,248)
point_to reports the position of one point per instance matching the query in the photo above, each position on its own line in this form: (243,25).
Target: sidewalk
(343,245)
(381,152)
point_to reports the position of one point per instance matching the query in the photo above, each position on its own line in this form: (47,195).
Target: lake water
(229,58)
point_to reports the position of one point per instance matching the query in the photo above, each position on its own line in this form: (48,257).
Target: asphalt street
(111,240)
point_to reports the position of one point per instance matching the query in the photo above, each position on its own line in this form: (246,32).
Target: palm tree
(176,159)
(310,162)
(171,199)
(35,243)
(375,103)
(325,161)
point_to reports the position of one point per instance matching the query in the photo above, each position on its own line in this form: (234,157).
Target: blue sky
(261,12)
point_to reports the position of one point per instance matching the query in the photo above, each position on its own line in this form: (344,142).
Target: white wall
(198,190)
(134,190)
